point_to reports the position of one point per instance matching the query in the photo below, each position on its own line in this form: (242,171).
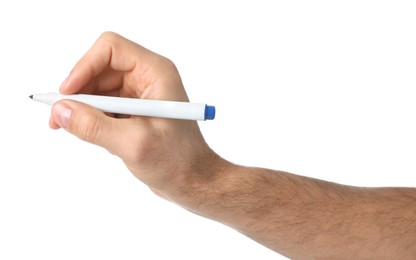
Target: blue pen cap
(209,112)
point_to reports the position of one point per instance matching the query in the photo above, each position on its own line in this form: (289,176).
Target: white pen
(135,106)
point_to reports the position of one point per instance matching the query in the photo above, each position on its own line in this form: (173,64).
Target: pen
(135,106)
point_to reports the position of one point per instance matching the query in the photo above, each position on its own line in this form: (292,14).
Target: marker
(135,106)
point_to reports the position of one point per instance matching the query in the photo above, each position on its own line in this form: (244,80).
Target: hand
(165,154)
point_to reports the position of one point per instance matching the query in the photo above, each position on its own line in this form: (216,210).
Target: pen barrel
(133,106)
(146,107)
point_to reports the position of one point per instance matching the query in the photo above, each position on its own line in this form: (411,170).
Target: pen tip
(31,96)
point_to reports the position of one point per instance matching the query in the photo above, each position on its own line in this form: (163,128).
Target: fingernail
(61,115)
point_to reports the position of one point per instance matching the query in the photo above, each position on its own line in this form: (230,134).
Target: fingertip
(67,86)
(76,80)
(60,115)
(53,124)
(64,84)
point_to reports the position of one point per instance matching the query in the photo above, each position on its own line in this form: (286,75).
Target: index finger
(111,53)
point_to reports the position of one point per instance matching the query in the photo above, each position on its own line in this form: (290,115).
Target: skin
(296,216)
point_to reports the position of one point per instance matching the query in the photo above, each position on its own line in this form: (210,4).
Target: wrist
(203,183)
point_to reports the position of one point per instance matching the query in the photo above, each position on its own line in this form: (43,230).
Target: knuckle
(108,40)
(167,63)
(109,36)
(168,68)
(90,129)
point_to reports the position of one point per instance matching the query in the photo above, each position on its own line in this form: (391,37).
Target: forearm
(303,217)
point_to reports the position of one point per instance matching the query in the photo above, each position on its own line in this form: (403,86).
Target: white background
(319,88)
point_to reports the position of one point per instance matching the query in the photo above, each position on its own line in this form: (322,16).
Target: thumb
(85,122)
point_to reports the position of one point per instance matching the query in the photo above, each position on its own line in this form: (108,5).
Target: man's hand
(163,153)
